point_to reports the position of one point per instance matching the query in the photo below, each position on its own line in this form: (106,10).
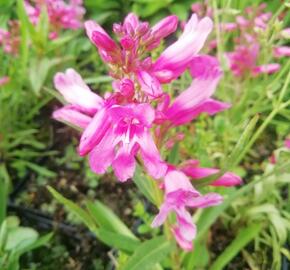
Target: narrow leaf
(149,253)
(244,237)
(107,219)
(75,209)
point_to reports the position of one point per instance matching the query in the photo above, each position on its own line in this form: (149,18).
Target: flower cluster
(132,122)
(61,15)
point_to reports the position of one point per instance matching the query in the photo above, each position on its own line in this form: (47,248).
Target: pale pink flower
(179,194)
(281,51)
(176,58)
(76,92)
(195,99)
(70,114)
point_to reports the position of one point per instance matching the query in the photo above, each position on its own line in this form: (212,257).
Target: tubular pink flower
(108,49)
(195,99)
(193,170)
(177,57)
(71,115)
(123,130)
(179,194)
(163,29)
(281,51)
(103,42)
(131,23)
(76,92)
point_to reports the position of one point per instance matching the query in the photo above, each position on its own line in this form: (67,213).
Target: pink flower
(196,98)
(114,137)
(191,169)
(113,134)
(176,58)
(76,92)
(161,30)
(281,51)
(179,194)
(71,115)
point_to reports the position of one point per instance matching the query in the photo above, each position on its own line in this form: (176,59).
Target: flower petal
(76,92)
(227,180)
(124,164)
(210,199)
(149,84)
(101,157)
(209,106)
(162,215)
(95,131)
(72,116)
(151,157)
(177,56)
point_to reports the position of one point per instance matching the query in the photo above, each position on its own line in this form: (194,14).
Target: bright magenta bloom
(113,134)
(195,100)
(116,135)
(179,194)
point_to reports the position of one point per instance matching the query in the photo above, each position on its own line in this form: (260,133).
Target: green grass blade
(244,237)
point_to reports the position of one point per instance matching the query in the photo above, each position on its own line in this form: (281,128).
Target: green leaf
(4,190)
(149,253)
(41,241)
(20,237)
(143,184)
(119,241)
(38,169)
(244,237)
(107,219)
(38,71)
(75,209)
